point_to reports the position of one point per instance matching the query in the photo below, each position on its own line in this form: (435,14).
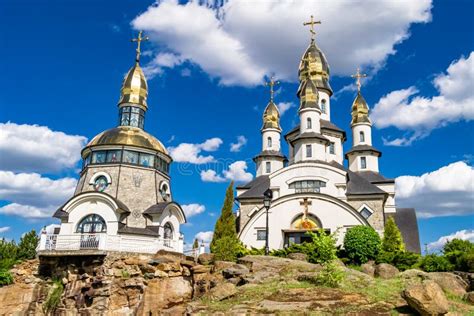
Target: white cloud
(241,141)
(236,172)
(162,60)
(37,148)
(187,152)
(406,110)
(4,229)
(33,196)
(443,192)
(193,209)
(239,42)
(284,106)
(204,237)
(465,234)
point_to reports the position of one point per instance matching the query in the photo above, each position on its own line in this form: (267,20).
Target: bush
(461,254)
(54,297)
(435,263)
(405,260)
(227,249)
(392,238)
(27,246)
(331,275)
(5,277)
(361,244)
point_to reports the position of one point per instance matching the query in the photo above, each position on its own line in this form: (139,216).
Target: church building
(123,199)
(311,188)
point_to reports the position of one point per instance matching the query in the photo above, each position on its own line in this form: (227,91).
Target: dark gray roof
(363,148)
(324,125)
(270,153)
(157,209)
(374,177)
(308,135)
(405,218)
(255,188)
(148,231)
(357,185)
(60,213)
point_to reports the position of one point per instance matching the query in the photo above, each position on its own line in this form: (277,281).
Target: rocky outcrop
(368,268)
(386,271)
(449,282)
(426,298)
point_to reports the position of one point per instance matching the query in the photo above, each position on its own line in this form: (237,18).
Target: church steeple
(271,115)
(360,109)
(134,92)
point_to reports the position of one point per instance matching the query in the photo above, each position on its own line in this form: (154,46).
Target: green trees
(361,243)
(460,253)
(392,238)
(225,245)
(27,246)
(195,244)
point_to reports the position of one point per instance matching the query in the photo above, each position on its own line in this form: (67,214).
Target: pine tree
(195,244)
(225,243)
(392,238)
(27,246)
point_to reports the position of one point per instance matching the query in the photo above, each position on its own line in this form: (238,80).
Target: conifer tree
(225,243)
(392,238)
(195,244)
(27,245)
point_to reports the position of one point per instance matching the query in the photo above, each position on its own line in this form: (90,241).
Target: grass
(379,290)
(54,296)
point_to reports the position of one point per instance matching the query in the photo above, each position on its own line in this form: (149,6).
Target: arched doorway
(299,226)
(90,228)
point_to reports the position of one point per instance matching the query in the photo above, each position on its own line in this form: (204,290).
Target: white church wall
(275,164)
(275,139)
(366,129)
(168,217)
(318,150)
(372,161)
(323,95)
(337,156)
(390,204)
(315,116)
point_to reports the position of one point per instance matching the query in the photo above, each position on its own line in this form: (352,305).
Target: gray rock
(427,298)
(368,268)
(386,271)
(222,291)
(469,297)
(206,258)
(449,282)
(236,270)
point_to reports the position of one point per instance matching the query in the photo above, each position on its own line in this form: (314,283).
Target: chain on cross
(139,39)
(271,84)
(358,76)
(311,24)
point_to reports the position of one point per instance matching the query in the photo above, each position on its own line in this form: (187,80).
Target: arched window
(362,137)
(309,124)
(168,234)
(269,142)
(92,223)
(164,191)
(363,163)
(268,167)
(323,106)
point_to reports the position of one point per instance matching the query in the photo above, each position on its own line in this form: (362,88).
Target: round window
(100,184)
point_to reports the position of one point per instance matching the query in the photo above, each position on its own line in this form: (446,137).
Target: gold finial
(311,24)
(357,76)
(271,84)
(139,39)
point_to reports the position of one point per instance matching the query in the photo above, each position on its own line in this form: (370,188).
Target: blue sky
(63,62)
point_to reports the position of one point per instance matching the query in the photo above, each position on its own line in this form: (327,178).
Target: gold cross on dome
(271,84)
(357,76)
(139,39)
(311,24)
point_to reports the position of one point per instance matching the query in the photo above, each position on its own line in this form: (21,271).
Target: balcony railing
(104,242)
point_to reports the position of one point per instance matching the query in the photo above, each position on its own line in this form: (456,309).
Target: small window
(365,213)
(130,157)
(363,163)
(114,156)
(331,148)
(146,160)
(98,157)
(268,167)
(261,234)
(362,137)
(309,123)
(269,142)
(323,106)
(309,151)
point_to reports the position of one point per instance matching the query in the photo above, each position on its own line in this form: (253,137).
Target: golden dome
(314,66)
(360,110)
(134,88)
(271,117)
(308,94)
(128,136)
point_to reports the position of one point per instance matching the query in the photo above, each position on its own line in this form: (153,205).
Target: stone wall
(376,220)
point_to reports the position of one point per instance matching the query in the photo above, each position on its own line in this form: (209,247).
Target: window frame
(363,162)
(268,167)
(362,136)
(323,106)
(261,232)
(309,123)
(309,151)
(332,148)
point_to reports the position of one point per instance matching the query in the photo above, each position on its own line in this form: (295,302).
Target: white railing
(122,243)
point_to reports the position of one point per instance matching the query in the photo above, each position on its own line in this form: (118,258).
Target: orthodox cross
(306,205)
(311,24)
(139,39)
(271,84)
(357,76)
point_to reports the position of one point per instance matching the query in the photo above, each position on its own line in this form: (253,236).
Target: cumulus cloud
(241,141)
(236,172)
(159,62)
(239,42)
(4,229)
(204,237)
(33,196)
(26,148)
(465,234)
(187,152)
(284,106)
(408,111)
(443,192)
(193,209)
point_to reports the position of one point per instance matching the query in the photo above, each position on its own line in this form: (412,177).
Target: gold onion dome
(308,94)
(360,110)
(128,136)
(134,88)
(271,116)
(314,66)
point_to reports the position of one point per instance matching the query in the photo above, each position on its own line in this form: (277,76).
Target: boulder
(236,270)
(187,263)
(449,282)
(200,269)
(206,258)
(368,268)
(427,298)
(298,256)
(469,297)
(222,291)
(170,255)
(221,265)
(386,271)
(165,293)
(468,277)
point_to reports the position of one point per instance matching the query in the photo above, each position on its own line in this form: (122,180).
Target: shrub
(27,246)
(361,243)
(5,277)
(252,251)
(331,275)
(54,297)
(461,254)
(8,254)
(392,238)
(405,260)
(435,263)
(227,249)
